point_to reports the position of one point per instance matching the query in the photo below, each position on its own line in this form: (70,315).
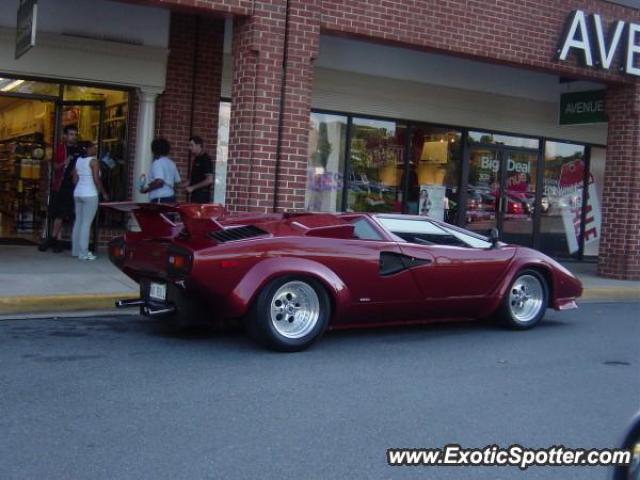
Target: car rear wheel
(525,301)
(289,314)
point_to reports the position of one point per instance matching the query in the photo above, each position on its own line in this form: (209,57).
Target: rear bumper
(178,302)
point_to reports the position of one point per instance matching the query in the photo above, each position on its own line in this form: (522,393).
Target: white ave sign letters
(586,33)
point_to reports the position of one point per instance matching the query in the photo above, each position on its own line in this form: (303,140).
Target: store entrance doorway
(501,192)
(87,117)
(33,115)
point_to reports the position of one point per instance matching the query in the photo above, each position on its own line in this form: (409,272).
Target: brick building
(517,115)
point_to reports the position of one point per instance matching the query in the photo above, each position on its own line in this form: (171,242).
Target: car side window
(363,230)
(470,240)
(422,232)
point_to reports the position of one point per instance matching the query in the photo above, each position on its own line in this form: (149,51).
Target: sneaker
(88,257)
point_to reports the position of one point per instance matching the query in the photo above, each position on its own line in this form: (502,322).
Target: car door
(456,278)
(379,292)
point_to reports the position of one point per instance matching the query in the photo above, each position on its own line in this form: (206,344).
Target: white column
(144,135)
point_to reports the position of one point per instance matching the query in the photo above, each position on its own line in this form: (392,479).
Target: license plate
(158,291)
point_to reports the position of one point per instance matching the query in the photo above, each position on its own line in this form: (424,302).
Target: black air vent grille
(237,233)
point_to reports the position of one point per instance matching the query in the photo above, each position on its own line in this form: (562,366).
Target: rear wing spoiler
(159,219)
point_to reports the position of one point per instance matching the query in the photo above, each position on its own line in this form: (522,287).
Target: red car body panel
(447,281)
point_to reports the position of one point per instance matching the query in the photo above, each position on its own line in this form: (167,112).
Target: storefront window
(26,138)
(561,208)
(593,219)
(506,140)
(222,152)
(327,144)
(12,85)
(377,166)
(434,172)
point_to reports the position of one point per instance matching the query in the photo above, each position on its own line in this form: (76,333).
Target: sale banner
(571,191)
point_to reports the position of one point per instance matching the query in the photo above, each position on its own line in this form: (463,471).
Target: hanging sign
(26,26)
(582,107)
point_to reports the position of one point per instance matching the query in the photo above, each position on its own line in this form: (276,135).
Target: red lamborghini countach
(290,277)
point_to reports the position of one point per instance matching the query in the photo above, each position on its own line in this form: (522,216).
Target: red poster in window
(572,175)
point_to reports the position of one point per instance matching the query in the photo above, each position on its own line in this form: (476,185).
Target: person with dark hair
(201,178)
(164,174)
(88,186)
(61,206)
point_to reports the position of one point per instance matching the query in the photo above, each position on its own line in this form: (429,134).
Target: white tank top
(85,186)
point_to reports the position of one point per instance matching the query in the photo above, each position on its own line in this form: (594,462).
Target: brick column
(269,135)
(619,255)
(303,38)
(191,100)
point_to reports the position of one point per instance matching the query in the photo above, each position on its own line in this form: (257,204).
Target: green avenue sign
(582,107)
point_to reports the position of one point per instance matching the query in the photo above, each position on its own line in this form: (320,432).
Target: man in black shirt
(61,204)
(201,177)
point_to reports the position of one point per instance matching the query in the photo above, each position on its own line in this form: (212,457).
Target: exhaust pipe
(161,311)
(130,303)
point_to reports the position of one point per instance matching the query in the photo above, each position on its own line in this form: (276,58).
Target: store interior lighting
(10,86)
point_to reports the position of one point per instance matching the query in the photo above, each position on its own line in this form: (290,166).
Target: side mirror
(494,237)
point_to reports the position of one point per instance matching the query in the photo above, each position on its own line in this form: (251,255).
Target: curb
(60,303)
(33,304)
(611,293)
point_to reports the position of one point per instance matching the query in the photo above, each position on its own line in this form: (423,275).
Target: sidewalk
(604,289)
(33,282)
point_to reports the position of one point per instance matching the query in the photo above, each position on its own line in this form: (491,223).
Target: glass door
(483,189)
(87,117)
(501,193)
(518,195)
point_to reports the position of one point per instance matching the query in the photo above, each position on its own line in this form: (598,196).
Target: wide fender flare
(524,263)
(266,270)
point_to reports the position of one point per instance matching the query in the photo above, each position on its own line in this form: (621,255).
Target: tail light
(117,250)
(179,261)
(516,207)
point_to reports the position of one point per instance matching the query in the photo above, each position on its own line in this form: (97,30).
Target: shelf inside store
(109,120)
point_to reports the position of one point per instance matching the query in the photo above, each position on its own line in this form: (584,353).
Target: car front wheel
(525,302)
(289,314)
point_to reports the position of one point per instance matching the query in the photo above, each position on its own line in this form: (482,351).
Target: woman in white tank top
(86,177)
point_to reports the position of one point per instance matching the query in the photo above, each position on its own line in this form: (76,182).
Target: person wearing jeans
(86,176)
